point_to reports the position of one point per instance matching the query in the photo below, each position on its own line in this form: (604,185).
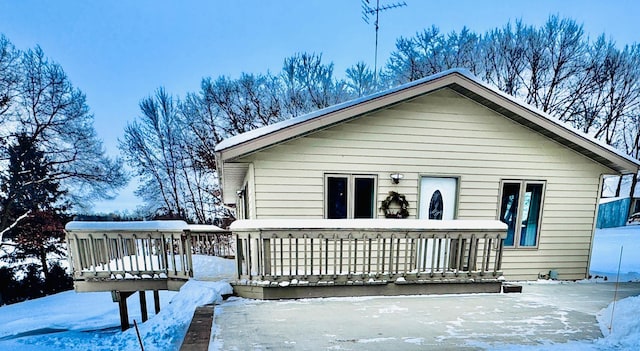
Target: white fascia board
(259,132)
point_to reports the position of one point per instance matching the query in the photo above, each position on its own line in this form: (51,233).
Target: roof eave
(333,117)
(458,80)
(540,122)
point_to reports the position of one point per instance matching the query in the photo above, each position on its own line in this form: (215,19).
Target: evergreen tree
(8,285)
(30,203)
(32,286)
(58,280)
(26,185)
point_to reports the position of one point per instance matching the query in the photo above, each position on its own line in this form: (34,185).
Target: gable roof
(458,80)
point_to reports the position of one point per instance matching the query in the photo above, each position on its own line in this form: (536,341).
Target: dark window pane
(336,198)
(245,202)
(363,198)
(509,209)
(436,205)
(531,205)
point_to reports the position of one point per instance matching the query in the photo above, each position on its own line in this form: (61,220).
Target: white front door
(438,198)
(437,202)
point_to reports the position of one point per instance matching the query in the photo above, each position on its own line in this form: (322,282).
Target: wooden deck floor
(199,332)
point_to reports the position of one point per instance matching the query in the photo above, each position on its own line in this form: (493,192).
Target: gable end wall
(442,134)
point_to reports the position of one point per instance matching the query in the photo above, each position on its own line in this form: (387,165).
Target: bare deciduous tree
(161,146)
(593,86)
(41,109)
(360,80)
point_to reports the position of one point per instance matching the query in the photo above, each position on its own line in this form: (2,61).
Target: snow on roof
(140,226)
(369,224)
(549,117)
(273,128)
(256,133)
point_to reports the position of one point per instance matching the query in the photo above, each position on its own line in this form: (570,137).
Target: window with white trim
(350,196)
(521,209)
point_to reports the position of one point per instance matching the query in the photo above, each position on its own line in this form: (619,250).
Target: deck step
(511,288)
(199,332)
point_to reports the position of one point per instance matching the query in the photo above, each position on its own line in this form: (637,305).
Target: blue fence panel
(613,214)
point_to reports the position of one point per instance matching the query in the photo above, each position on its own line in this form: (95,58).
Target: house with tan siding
(448,148)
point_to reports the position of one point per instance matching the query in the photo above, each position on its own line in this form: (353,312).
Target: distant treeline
(591,84)
(17,285)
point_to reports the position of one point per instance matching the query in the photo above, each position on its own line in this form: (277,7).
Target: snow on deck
(205,228)
(139,226)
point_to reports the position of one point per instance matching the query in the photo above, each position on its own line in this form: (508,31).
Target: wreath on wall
(396,198)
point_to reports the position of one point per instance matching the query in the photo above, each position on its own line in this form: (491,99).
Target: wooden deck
(320,258)
(135,256)
(279,259)
(129,257)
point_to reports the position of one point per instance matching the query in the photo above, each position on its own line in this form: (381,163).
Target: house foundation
(258,290)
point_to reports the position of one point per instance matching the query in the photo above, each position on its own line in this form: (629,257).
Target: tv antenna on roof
(367,11)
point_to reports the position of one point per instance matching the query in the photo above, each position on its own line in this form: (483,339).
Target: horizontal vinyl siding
(442,134)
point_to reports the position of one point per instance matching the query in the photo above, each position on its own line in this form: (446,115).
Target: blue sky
(118,52)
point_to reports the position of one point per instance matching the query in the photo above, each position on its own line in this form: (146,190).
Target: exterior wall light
(395,177)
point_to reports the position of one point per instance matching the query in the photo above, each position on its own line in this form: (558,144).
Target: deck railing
(341,251)
(153,250)
(210,242)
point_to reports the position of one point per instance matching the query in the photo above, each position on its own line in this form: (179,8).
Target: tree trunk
(45,267)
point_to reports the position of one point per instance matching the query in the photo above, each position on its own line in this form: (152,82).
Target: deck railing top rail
(140,227)
(205,228)
(375,225)
(128,227)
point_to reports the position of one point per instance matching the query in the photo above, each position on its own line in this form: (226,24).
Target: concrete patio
(543,313)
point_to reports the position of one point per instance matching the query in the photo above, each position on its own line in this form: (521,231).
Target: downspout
(219,170)
(251,192)
(634,183)
(595,221)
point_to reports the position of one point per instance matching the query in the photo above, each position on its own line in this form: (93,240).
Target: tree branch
(13,225)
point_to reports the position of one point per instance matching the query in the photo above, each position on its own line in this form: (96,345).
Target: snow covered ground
(90,321)
(549,315)
(606,254)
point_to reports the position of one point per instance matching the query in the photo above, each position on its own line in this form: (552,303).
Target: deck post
(143,305)
(124,315)
(266,256)
(186,238)
(156,301)
(121,298)
(498,264)
(239,256)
